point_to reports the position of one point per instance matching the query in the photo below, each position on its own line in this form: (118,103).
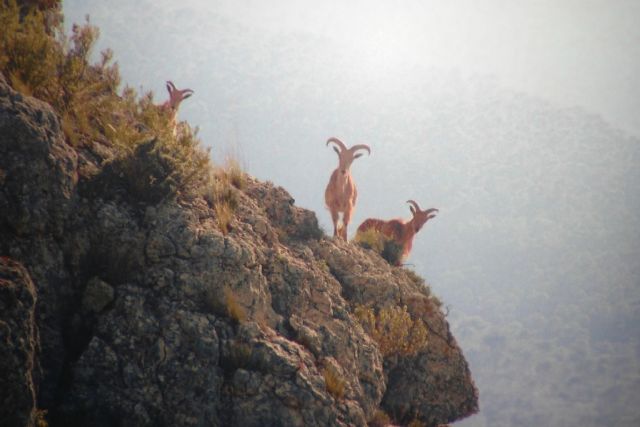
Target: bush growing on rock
(387,248)
(39,60)
(393,329)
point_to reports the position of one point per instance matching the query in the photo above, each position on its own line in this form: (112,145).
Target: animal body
(341,193)
(400,231)
(176,96)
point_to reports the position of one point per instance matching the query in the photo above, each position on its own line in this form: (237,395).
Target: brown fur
(398,230)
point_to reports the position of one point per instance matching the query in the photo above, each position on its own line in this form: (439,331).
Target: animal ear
(336,150)
(357,155)
(188,94)
(168,88)
(413,210)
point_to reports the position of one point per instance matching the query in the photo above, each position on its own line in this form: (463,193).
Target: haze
(573,52)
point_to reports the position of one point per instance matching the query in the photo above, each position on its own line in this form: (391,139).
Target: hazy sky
(571,52)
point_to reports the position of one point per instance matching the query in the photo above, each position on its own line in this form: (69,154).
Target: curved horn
(361,147)
(415,205)
(337,142)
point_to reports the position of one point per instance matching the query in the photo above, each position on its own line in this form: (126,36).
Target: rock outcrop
(149,315)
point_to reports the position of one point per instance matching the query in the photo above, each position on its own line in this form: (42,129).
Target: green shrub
(387,248)
(371,239)
(156,170)
(392,252)
(393,329)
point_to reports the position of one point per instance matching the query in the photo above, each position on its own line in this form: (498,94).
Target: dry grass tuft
(379,419)
(334,383)
(234,310)
(235,174)
(222,196)
(393,329)
(224,215)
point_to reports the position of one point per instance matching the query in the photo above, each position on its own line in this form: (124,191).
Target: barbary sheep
(341,192)
(176,96)
(398,230)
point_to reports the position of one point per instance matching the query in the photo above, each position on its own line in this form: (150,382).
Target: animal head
(420,217)
(176,96)
(346,155)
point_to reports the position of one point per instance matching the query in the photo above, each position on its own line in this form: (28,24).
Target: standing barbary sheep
(400,231)
(341,193)
(176,96)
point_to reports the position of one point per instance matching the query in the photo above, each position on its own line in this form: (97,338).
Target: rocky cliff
(120,309)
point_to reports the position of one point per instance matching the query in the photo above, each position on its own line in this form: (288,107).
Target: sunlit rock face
(148,314)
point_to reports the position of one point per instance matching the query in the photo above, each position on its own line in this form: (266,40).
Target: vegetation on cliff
(40,60)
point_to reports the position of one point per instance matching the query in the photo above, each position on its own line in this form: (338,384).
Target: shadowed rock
(18,345)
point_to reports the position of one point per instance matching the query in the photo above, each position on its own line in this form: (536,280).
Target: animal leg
(335,217)
(346,218)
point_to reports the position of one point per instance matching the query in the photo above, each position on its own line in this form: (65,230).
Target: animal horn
(415,205)
(361,147)
(337,142)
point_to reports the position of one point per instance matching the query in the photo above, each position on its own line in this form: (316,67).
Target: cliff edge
(123,308)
